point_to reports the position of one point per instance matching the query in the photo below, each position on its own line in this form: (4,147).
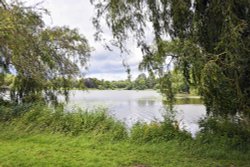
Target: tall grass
(224,132)
(40,118)
(218,139)
(158,132)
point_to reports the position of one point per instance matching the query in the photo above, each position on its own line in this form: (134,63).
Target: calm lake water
(131,106)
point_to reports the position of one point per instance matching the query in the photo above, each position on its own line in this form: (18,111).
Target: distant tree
(89,83)
(140,82)
(80,84)
(151,81)
(120,84)
(179,84)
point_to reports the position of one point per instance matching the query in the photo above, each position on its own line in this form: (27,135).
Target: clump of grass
(40,118)
(221,139)
(9,111)
(230,133)
(158,132)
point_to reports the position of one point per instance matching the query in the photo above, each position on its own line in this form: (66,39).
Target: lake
(131,106)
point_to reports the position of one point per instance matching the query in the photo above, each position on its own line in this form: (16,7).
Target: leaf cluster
(37,54)
(208,41)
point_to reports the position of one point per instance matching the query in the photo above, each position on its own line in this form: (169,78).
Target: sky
(78,14)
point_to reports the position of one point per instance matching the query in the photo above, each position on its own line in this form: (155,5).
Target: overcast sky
(78,14)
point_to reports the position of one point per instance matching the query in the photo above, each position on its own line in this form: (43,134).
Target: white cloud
(78,14)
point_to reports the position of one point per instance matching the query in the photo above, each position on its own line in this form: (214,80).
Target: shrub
(9,112)
(229,133)
(157,132)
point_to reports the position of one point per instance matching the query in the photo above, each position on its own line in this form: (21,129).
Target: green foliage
(218,91)
(8,80)
(157,132)
(227,133)
(29,131)
(45,149)
(8,111)
(167,89)
(40,118)
(142,82)
(204,34)
(37,54)
(222,138)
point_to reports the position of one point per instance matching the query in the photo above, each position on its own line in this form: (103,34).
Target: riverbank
(35,135)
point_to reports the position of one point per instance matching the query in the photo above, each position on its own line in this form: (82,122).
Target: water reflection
(188,101)
(141,103)
(144,103)
(151,102)
(133,106)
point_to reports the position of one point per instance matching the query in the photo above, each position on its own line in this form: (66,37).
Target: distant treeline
(141,82)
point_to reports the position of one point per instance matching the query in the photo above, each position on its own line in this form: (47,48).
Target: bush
(157,132)
(8,112)
(228,133)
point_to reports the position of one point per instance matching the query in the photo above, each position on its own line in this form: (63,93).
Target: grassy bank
(39,136)
(84,150)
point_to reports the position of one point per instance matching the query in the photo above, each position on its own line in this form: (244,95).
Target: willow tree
(209,42)
(37,54)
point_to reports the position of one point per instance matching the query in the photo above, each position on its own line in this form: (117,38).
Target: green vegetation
(142,82)
(60,150)
(208,54)
(42,136)
(40,118)
(37,54)
(209,45)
